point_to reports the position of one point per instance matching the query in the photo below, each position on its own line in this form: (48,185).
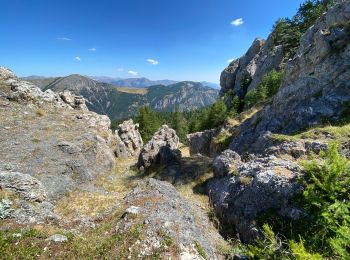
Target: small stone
(133,210)
(58,238)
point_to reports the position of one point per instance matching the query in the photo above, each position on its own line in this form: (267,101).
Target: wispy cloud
(230,60)
(152,61)
(63,39)
(77,58)
(237,22)
(134,73)
(92,49)
(121,69)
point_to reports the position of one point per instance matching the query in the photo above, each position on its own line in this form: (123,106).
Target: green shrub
(287,32)
(223,139)
(267,88)
(327,199)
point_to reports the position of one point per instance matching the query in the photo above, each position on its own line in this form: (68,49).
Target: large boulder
(166,219)
(256,186)
(129,140)
(316,86)
(162,148)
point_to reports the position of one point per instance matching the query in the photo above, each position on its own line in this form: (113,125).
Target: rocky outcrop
(254,187)
(200,142)
(260,59)
(316,87)
(129,140)
(50,145)
(162,148)
(165,216)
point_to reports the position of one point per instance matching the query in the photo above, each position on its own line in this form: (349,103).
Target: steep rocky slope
(261,170)
(118,102)
(316,86)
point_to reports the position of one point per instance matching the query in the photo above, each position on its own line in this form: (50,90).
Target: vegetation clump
(268,87)
(288,32)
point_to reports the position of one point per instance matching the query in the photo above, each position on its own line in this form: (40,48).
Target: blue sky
(158,39)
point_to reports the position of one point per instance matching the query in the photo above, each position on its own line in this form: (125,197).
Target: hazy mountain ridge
(122,102)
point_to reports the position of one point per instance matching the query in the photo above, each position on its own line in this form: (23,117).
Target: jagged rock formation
(166,216)
(118,102)
(50,144)
(261,58)
(162,148)
(129,140)
(316,87)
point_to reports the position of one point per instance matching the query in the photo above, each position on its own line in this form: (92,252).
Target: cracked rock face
(256,186)
(162,148)
(129,140)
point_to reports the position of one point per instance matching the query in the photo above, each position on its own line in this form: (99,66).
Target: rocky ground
(70,188)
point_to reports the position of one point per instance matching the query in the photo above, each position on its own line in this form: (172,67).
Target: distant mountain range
(134,82)
(122,102)
(129,82)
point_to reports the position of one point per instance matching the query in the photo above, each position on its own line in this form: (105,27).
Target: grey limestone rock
(162,148)
(129,140)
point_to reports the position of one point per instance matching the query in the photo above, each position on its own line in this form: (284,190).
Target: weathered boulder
(129,140)
(316,87)
(162,148)
(226,163)
(200,142)
(258,185)
(24,185)
(165,216)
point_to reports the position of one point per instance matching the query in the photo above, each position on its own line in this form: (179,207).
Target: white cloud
(152,61)
(64,39)
(134,73)
(77,58)
(92,49)
(230,60)
(237,22)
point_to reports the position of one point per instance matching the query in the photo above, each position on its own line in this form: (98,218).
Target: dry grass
(40,112)
(140,91)
(185,151)
(338,133)
(240,118)
(245,180)
(84,203)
